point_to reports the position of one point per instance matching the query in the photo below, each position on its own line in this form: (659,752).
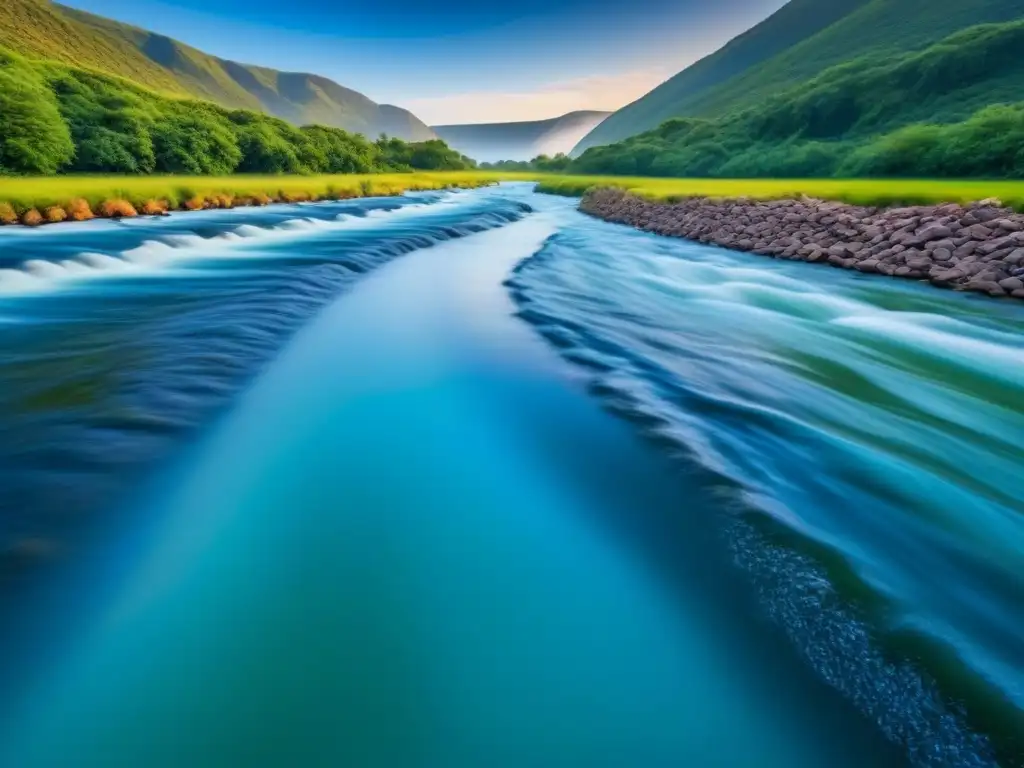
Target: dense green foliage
(801,40)
(33,137)
(39,29)
(58,118)
(542,163)
(946,111)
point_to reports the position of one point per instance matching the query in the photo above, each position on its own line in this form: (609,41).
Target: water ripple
(870,431)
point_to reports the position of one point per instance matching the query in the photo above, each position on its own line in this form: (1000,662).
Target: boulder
(991,246)
(931,232)
(1007,225)
(1015,257)
(986,286)
(947,276)
(984,213)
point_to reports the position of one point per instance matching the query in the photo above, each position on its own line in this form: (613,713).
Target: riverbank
(974,247)
(865,192)
(45,200)
(34,201)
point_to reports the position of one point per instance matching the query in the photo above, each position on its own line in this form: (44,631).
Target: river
(464,479)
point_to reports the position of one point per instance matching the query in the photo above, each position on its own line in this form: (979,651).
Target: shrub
(267,144)
(109,122)
(117,209)
(195,139)
(154,208)
(79,210)
(32,218)
(55,214)
(33,137)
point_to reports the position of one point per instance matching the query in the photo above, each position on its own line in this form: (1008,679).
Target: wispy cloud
(604,92)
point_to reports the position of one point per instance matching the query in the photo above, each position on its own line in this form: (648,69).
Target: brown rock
(985,212)
(986,286)
(1015,257)
(947,276)
(932,232)
(991,246)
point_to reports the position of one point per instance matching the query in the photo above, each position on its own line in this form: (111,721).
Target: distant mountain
(489,142)
(793,46)
(44,30)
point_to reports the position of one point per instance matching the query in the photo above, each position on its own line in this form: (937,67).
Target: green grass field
(60,197)
(54,190)
(857,191)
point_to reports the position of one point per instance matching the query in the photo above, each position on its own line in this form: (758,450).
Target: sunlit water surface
(543,491)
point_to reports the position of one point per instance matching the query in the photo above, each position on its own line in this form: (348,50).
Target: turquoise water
(542,491)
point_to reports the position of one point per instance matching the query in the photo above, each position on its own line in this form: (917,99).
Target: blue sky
(480,61)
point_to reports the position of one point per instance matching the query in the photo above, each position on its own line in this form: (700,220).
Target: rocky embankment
(978,247)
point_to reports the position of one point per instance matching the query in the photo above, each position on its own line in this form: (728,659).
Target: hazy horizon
(460,63)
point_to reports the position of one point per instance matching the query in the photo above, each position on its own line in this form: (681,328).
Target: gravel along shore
(977,247)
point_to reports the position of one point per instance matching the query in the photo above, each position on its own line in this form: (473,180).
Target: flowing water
(544,491)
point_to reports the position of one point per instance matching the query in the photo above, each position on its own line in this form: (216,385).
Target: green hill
(953,109)
(40,29)
(58,118)
(793,46)
(490,142)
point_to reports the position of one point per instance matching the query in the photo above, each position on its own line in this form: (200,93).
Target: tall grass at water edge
(40,200)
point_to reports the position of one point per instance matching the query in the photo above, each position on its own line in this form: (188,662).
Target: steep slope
(489,142)
(953,109)
(794,22)
(842,30)
(45,30)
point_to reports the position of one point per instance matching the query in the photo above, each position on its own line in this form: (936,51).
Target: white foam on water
(40,276)
(914,332)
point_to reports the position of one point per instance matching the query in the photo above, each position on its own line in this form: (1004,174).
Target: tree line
(60,119)
(557,164)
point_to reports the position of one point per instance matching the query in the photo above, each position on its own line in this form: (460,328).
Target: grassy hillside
(953,109)
(794,22)
(59,118)
(44,30)
(490,142)
(800,41)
